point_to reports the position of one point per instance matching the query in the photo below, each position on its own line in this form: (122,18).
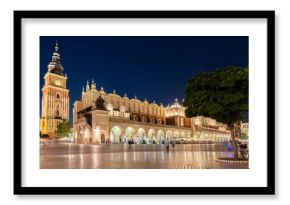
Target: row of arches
(119,135)
(141,136)
(212,136)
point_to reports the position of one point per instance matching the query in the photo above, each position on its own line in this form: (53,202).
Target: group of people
(167,143)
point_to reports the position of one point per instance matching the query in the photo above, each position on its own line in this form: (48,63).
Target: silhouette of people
(130,142)
(167,144)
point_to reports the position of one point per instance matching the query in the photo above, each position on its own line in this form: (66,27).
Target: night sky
(152,67)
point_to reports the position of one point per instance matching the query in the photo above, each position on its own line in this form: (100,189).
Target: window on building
(57,95)
(57,113)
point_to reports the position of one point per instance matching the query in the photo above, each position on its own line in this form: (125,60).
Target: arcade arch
(151,136)
(160,136)
(169,134)
(140,136)
(115,135)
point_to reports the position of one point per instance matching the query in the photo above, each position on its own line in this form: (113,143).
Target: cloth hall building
(101,117)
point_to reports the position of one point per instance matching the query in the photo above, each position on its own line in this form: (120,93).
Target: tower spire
(55,65)
(56,46)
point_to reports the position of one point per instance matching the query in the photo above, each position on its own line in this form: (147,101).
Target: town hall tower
(55,96)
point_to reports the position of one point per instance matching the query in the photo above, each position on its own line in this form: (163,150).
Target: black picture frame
(268,190)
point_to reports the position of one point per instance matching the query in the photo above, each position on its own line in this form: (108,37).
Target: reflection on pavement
(119,156)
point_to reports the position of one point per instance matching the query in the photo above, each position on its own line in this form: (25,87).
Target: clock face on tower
(57,83)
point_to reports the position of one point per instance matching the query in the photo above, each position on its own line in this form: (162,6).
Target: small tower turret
(93,85)
(87,87)
(83,91)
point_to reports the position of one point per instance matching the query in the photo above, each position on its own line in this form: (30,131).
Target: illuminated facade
(55,96)
(101,117)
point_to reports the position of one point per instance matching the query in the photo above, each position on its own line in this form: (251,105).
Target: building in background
(101,117)
(55,96)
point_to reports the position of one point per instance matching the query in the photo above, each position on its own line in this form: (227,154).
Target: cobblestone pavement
(114,156)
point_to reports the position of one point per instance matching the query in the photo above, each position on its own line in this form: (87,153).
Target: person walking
(173,143)
(167,144)
(131,142)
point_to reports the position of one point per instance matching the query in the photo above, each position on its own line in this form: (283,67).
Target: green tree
(244,136)
(221,94)
(63,129)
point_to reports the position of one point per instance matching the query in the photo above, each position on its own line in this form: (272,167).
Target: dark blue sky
(152,67)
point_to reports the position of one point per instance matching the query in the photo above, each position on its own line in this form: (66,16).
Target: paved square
(139,156)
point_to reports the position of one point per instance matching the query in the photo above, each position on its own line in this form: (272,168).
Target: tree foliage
(221,94)
(244,136)
(63,129)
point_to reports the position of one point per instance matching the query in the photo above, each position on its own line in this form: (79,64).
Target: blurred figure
(167,144)
(130,142)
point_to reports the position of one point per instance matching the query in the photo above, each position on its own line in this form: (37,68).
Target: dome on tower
(55,65)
